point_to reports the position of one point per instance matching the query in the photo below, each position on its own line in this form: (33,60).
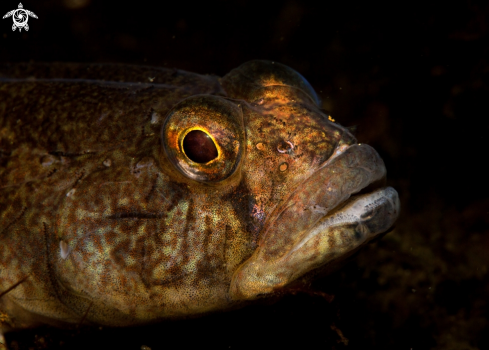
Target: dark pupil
(199,147)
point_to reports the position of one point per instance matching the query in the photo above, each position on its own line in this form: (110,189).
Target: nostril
(285,147)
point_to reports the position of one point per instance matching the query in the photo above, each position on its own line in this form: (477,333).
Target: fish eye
(199,147)
(204,137)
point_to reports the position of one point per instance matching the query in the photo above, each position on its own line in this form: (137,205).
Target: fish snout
(325,219)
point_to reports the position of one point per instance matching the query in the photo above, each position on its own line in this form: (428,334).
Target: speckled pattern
(104,219)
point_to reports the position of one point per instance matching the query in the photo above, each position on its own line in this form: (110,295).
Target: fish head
(178,197)
(305,191)
(319,194)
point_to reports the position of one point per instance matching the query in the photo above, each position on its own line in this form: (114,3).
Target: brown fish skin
(107,219)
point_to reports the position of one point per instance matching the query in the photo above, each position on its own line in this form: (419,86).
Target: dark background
(413,77)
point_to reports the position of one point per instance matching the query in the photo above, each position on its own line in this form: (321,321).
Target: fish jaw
(323,220)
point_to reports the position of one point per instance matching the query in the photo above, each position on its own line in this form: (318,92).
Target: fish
(133,194)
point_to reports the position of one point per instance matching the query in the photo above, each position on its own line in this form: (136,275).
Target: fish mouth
(340,207)
(368,211)
(356,221)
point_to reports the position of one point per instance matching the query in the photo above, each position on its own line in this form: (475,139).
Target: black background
(413,77)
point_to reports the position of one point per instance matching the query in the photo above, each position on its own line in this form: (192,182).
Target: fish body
(132,194)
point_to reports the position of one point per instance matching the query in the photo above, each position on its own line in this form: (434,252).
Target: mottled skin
(104,218)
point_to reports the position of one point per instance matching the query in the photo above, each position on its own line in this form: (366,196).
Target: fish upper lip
(323,180)
(351,169)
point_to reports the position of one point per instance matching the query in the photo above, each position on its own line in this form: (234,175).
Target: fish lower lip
(356,221)
(336,235)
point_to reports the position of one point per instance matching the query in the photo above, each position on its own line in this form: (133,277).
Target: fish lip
(376,178)
(371,189)
(373,212)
